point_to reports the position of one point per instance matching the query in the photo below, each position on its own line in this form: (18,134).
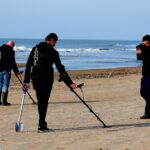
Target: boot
(4,99)
(0,98)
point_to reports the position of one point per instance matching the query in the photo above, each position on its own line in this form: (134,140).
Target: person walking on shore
(7,62)
(39,68)
(143,53)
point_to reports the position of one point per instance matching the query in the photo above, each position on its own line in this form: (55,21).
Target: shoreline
(99,73)
(103,73)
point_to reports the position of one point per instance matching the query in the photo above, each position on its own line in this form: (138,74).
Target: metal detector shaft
(27,91)
(89,108)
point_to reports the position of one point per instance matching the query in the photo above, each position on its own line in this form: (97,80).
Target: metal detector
(27,91)
(80,86)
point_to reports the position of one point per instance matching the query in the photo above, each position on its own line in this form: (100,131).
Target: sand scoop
(19,126)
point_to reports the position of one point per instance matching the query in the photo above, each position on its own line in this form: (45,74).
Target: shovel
(19,126)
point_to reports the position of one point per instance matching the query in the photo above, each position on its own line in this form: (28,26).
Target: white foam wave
(124,45)
(67,50)
(73,50)
(22,48)
(131,49)
(91,50)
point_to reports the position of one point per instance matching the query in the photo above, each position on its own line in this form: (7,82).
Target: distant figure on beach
(39,68)
(143,53)
(7,62)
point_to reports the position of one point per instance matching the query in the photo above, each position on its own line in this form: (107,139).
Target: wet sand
(112,93)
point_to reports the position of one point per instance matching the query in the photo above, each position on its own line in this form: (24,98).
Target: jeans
(145,93)
(4,81)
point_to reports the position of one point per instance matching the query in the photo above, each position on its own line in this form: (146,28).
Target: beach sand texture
(114,96)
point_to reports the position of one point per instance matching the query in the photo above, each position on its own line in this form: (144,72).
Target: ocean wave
(76,50)
(22,48)
(124,45)
(93,50)
(121,47)
(131,49)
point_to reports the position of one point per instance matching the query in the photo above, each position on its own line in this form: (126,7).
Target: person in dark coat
(7,62)
(143,53)
(39,68)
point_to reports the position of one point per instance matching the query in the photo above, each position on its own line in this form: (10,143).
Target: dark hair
(140,46)
(146,38)
(51,36)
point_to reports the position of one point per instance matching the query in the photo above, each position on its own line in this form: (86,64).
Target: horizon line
(72,39)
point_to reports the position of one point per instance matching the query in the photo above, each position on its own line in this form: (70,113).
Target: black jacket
(39,65)
(145,57)
(7,59)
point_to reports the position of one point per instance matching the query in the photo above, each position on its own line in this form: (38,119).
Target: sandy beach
(112,93)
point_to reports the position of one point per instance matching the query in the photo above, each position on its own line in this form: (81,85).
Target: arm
(13,63)
(63,73)
(139,51)
(28,67)
(139,54)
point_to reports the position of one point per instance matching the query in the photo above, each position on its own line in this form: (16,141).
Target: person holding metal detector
(143,53)
(7,62)
(39,68)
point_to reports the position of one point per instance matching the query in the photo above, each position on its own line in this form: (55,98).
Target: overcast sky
(75,19)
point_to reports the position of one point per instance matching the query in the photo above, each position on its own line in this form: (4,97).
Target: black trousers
(145,93)
(43,91)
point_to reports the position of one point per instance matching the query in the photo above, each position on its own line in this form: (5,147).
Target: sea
(84,54)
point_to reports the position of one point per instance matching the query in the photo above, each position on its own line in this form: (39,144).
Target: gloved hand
(25,88)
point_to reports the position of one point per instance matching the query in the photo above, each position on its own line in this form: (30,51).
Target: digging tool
(19,126)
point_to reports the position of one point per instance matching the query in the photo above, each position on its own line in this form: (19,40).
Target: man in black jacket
(7,62)
(143,53)
(39,69)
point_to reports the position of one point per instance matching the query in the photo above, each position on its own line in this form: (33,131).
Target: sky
(75,19)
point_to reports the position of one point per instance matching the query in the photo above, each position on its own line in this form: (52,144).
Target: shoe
(6,104)
(0,103)
(43,129)
(145,117)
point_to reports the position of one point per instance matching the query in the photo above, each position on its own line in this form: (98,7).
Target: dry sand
(113,94)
